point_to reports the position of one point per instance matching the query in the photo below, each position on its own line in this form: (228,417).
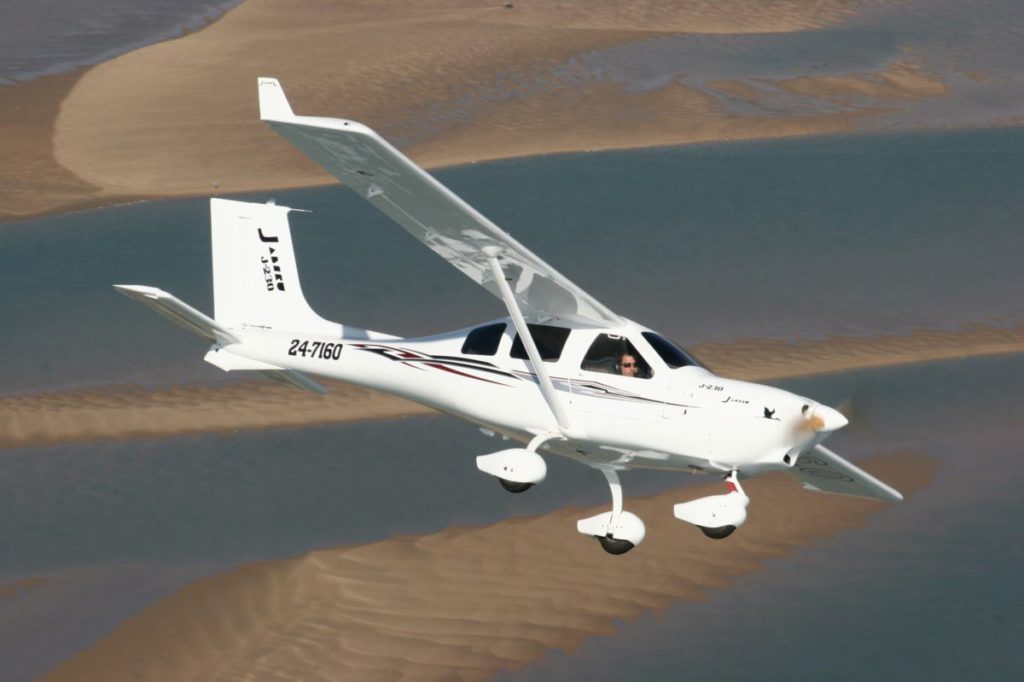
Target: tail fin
(255,275)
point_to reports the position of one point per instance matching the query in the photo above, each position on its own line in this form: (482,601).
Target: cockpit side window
(549,340)
(484,340)
(673,355)
(613,354)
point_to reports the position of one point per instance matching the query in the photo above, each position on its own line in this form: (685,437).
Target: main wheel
(719,533)
(514,487)
(613,546)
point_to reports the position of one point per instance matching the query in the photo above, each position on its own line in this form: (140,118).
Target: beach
(464,603)
(131,464)
(126,412)
(449,82)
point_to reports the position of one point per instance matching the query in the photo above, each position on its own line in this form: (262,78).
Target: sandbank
(466,602)
(449,81)
(122,412)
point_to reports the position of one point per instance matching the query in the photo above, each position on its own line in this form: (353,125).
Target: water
(783,239)
(33,43)
(862,235)
(929,590)
(975,51)
(934,577)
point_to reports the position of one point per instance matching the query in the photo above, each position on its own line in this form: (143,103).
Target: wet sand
(31,180)
(466,602)
(121,412)
(450,82)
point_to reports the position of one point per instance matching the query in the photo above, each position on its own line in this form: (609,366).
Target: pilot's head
(628,366)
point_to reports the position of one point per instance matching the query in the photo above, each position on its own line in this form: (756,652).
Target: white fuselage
(684,418)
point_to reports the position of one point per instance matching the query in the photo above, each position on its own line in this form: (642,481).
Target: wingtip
(137,290)
(273,102)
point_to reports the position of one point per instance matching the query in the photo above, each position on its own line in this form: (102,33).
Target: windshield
(673,355)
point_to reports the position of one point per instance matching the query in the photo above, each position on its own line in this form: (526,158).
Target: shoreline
(113,201)
(412,605)
(458,86)
(129,412)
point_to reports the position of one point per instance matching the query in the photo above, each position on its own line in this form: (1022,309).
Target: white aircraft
(584,383)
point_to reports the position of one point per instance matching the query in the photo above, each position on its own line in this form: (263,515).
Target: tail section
(255,289)
(255,274)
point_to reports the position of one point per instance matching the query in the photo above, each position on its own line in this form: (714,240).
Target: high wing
(825,471)
(429,211)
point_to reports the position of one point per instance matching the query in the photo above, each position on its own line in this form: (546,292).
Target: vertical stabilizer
(255,275)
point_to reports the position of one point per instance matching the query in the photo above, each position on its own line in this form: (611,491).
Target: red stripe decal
(463,374)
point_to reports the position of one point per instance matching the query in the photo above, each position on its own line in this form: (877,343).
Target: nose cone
(824,419)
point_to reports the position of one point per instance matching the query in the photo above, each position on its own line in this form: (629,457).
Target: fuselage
(672,413)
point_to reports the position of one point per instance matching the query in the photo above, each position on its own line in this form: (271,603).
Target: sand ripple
(763,359)
(133,412)
(451,81)
(463,603)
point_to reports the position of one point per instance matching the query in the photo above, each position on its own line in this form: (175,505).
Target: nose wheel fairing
(717,515)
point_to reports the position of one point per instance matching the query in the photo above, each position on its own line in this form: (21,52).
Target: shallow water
(927,591)
(42,37)
(973,49)
(785,239)
(863,235)
(134,520)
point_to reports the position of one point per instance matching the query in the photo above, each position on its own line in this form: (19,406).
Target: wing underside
(824,471)
(429,211)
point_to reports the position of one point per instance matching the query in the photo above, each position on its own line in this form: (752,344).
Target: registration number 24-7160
(315,349)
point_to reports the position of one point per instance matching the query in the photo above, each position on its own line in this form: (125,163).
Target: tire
(514,487)
(613,546)
(719,533)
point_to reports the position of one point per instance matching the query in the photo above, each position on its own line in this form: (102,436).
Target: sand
(467,602)
(120,412)
(124,412)
(31,180)
(449,81)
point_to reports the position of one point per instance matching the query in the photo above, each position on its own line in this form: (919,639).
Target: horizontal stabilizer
(178,312)
(294,378)
(229,362)
(824,471)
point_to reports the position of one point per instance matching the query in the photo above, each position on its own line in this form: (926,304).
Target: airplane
(560,374)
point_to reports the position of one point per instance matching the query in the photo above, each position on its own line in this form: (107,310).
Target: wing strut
(543,380)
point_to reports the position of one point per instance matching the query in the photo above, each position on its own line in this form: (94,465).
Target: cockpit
(628,353)
(615,354)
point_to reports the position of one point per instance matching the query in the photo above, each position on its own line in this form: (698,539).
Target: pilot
(628,366)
